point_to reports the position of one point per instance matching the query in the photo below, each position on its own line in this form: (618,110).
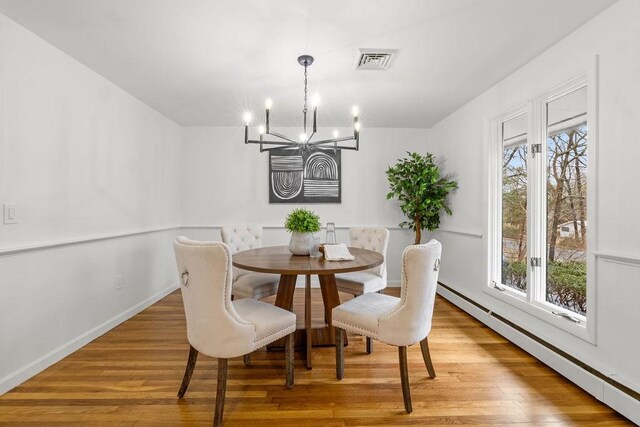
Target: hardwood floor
(130,376)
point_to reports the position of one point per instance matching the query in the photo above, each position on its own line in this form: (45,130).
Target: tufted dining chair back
(373,239)
(213,325)
(396,321)
(410,321)
(218,327)
(241,237)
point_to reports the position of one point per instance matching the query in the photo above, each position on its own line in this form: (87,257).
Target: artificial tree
(422,192)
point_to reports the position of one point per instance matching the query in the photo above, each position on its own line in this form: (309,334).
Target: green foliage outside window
(566,282)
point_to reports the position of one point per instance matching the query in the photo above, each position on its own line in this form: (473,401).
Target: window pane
(514,203)
(567,201)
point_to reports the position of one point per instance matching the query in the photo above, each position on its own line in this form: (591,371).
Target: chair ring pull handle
(436,265)
(185,278)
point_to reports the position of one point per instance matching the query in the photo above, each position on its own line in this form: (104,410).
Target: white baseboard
(21,375)
(597,387)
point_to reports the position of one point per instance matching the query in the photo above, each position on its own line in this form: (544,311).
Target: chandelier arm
(327,141)
(284,147)
(281,136)
(310,136)
(337,147)
(253,141)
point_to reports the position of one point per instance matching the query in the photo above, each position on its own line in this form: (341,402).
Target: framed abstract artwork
(305,176)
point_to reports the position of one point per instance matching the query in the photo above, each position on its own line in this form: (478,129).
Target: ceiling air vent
(375,59)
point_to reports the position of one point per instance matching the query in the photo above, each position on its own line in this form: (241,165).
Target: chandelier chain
(305,90)
(304,110)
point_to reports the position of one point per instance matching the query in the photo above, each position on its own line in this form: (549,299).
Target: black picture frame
(305,176)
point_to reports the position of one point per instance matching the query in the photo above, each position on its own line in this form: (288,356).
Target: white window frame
(534,301)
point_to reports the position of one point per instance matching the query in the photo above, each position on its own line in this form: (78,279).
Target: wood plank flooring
(130,376)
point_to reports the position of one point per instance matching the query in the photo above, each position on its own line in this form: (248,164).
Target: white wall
(225,181)
(79,155)
(463,139)
(83,160)
(88,163)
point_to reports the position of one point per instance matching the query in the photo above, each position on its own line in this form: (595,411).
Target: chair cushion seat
(255,285)
(270,322)
(359,283)
(361,314)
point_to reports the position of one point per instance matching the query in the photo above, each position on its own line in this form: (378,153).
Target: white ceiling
(202,62)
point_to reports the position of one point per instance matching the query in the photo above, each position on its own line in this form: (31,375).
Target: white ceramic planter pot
(299,243)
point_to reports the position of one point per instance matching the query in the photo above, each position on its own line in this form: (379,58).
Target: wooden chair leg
(369,345)
(188,372)
(222,388)
(289,359)
(247,359)
(424,346)
(339,353)
(404,379)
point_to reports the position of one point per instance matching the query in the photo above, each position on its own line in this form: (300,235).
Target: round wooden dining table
(278,260)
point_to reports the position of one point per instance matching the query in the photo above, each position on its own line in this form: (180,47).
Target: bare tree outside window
(564,225)
(514,217)
(567,218)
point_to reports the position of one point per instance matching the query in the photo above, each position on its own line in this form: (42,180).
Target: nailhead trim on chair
(403,291)
(274,339)
(354,328)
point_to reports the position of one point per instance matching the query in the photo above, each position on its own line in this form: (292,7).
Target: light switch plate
(10,213)
(119,281)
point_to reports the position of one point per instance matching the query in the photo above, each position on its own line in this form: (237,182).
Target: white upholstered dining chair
(217,326)
(396,321)
(373,280)
(248,284)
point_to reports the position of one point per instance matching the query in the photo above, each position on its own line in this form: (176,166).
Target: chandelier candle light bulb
(284,142)
(268,104)
(247,119)
(315,101)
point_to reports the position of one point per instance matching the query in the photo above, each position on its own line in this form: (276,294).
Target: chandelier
(305,139)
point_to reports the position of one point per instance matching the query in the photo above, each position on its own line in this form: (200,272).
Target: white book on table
(338,252)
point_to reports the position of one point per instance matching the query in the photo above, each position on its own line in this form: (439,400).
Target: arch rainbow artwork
(297,176)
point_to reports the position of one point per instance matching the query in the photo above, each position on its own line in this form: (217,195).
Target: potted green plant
(301,223)
(422,192)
